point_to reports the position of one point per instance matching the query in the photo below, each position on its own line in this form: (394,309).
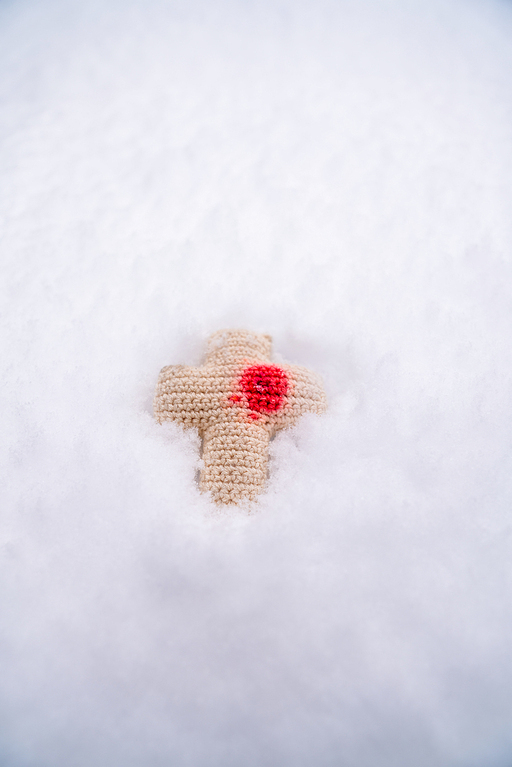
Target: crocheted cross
(238,400)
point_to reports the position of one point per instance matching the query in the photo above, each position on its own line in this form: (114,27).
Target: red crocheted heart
(264,387)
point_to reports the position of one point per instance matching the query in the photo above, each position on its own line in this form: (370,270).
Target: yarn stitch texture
(237,401)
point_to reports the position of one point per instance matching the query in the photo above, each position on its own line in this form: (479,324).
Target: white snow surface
(337,174)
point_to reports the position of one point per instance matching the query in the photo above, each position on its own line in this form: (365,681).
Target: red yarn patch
(264,387)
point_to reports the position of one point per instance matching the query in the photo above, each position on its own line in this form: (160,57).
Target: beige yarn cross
(238,400)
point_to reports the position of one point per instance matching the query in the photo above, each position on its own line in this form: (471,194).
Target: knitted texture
(237,401)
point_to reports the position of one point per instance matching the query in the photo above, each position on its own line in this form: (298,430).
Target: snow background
(337,174)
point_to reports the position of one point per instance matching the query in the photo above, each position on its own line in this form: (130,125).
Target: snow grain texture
(336,174)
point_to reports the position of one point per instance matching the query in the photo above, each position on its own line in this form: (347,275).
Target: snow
(336,174)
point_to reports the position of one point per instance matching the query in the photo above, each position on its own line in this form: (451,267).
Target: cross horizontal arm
(306,395)
(183,395)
